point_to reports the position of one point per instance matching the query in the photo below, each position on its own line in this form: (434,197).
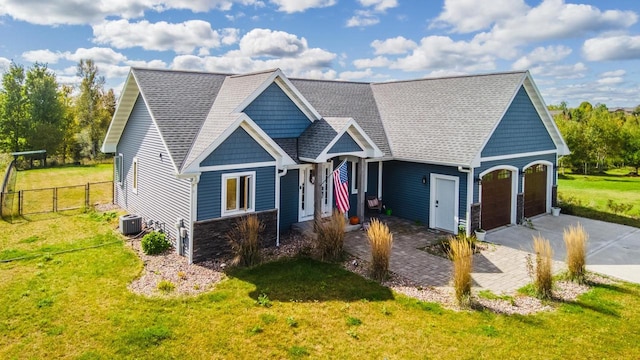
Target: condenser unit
(130,224)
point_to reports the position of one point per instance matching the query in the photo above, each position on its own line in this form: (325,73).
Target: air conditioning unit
(130,224)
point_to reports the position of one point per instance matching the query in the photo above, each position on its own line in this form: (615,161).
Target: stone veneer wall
(519,208)
(210,236)
(475,217)
(554,196)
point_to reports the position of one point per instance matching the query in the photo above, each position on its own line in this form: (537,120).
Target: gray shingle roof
(179,102)
(444,120)
(318,135)
(346,99)
(233,92)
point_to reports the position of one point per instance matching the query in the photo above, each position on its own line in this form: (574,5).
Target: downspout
(467,212)
(279,176)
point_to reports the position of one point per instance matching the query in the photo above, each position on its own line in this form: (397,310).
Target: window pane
(232,194)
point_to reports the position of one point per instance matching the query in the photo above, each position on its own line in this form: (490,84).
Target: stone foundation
(210,236)
(554,196)
(475,217)
(519,208)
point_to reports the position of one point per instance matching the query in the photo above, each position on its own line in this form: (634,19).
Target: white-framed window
(134,180)
(117,169)
(354,177)
(238,193)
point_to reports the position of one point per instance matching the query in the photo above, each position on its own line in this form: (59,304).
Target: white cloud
(575,71)
(379,5)
(43,56)
(379,61)
(292,6)
(614,73)
(472,15)
(622,47)
(614,80)
(98,54)
(182,37)
(4,64)
(362,18)
(542,55)
(57,12)
(355,75)
(265,42)
(396,45)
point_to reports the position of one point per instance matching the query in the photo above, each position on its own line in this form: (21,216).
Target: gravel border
(194,279)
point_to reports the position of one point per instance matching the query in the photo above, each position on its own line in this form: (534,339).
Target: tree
(13,123)
(631,146)
(88,107)
(69,147)
(43,109)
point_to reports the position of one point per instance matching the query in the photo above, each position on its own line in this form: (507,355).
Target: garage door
(535,190)
(496,199)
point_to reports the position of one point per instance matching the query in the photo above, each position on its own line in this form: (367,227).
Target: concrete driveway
(612,249)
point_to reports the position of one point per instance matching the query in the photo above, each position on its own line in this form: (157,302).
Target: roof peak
(136,68)
(453,77)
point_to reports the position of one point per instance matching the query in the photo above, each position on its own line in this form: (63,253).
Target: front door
(444,209)
(307,182)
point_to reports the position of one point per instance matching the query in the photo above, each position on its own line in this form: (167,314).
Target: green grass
(77,305)
(590,195)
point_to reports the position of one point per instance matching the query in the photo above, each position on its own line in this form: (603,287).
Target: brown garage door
(535,190)
(496,199)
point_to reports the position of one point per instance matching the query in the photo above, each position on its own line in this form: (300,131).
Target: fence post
(20,202)
(86,197)
(113,192)
(55,199)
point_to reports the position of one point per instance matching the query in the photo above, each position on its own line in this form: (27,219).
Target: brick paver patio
(499,268)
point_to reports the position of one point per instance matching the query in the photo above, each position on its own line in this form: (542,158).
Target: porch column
(317,194)
(362,168)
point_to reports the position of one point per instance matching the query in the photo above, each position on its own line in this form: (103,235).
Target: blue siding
(238,148)
(345,144)
(289,200)
(520,163)
(521,130)
(404,193)
(161,196)
(276,114)
(210,191)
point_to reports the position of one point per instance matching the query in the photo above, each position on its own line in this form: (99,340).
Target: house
(194,151)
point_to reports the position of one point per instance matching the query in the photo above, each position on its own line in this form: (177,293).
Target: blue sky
(576,51)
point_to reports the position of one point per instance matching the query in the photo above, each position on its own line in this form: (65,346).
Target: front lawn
(612,197)
(76,305)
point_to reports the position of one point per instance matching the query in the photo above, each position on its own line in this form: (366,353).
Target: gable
(521,130)
(238,148)
(277,114)
(345,144)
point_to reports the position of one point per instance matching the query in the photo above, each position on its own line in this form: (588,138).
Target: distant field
(600,196)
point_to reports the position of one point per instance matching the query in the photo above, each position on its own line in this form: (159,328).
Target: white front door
(307,182)
(444,203)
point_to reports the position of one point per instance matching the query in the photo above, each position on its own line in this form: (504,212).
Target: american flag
(341,185)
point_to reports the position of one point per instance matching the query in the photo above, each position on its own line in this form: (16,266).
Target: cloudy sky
(576,51)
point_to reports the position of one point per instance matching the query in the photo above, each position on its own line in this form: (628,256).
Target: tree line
(37,113)
(598,138)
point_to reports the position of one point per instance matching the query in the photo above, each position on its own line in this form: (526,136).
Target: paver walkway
(500,269)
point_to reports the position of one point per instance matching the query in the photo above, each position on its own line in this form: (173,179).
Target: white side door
(444,203)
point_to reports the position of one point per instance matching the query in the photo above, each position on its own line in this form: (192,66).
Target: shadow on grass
(305,280)
(582,211)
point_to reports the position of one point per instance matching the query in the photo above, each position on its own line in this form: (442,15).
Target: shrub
(331,236)
(462,256)
(575,240)
(619,208)
(381,241)
(543,280)
(245,240)
(154,243)
(263,300)
(166,286)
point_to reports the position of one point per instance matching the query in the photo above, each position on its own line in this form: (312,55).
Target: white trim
(357,134)
(429,162)
(432,200)
(354,178)
(252,206)
(237,166)
(277,202)
(287,87)
(247,124)
(130,91)
(379,179)
(519,155)
(514,188)
(135,170)
(550,175)
(470,176)
(193,212)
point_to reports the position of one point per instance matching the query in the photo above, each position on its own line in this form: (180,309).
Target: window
(135,175)
(117,169)
(354,177)
(238,191)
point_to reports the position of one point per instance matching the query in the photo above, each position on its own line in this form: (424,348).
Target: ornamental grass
(381,241)
(575,240)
